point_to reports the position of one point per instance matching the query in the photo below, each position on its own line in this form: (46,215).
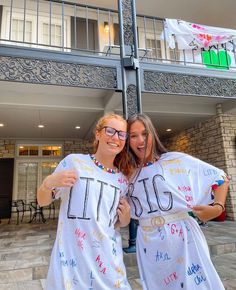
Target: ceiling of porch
(60,109)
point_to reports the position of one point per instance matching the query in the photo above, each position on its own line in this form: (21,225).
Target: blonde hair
(121,159)
(101,123)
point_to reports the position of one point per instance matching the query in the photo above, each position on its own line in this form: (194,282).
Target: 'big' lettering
(149,188)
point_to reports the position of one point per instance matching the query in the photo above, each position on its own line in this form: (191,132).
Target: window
(40,150)
(155,48)
(39,31)
(28,150)
(52,36)
(174,53)
(21,33)
(51,151)
(84,35)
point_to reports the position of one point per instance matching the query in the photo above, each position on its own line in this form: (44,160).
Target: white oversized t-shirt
(174,256)
(87,252)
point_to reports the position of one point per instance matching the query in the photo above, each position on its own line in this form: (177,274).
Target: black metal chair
(27,208)
(50,208)
(37,212)
(17,207)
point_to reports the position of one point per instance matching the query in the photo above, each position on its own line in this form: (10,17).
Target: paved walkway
(25,252)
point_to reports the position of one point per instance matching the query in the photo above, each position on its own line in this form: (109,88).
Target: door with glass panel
(27,180)
(34,163)
(47,168)
(31,175)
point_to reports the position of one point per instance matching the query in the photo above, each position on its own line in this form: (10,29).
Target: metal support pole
(131,85)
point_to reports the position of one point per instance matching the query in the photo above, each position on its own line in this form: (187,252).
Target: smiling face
(137,141)
(108,143)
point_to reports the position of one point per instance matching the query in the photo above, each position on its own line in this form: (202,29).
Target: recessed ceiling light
(1,125)
(168,130)
(41,126)
(77,127)
(21,147)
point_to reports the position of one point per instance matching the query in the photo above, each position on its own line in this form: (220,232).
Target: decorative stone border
(173,83)
(39,71)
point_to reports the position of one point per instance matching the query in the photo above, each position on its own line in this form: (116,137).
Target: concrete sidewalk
(25,252)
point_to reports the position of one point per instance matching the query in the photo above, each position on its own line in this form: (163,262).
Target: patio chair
(37,212)
(17,207)
(50,208)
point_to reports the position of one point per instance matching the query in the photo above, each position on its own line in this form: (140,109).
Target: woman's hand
(207,212)
(65,178)
(123,212)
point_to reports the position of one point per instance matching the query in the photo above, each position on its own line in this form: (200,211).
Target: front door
(6,186)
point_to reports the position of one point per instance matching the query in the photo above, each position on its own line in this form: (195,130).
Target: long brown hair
(121,159)
(157,147)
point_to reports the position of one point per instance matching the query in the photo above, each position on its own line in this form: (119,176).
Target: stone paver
(25,252)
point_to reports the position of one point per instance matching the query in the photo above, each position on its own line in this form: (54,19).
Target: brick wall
(213,141)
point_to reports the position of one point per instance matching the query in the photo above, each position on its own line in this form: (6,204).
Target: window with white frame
(16,27)
(174,53)
(35,30)
(52,34)
(152,42)
(21,31)
(154,46)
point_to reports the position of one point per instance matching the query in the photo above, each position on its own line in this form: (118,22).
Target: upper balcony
(82,29)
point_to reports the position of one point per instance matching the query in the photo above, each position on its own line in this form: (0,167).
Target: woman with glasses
(87,253)
(172,252)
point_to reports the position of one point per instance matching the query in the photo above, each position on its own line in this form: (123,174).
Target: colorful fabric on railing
(217,57)
(194,36)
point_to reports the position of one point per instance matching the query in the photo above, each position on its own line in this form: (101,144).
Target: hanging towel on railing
(194,36)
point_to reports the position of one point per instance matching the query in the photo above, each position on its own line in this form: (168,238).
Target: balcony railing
(69,27)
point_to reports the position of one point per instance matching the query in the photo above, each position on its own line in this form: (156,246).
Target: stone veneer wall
(7,148)
(213,141)
(78,146)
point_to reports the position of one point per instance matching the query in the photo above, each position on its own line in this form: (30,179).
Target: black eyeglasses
(111,132)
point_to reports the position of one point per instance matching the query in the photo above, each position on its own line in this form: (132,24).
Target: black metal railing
(153,39)
(70,27)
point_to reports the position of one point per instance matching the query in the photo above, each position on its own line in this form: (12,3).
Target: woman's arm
(208,212)
(65,178)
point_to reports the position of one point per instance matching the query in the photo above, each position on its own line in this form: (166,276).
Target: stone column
(214,141)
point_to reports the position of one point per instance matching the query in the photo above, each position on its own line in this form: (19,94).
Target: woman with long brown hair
(165,187)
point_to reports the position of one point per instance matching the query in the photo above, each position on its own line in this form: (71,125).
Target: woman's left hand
(123,212)
(206,212)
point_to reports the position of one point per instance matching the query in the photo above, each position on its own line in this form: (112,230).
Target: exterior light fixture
(106,27)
